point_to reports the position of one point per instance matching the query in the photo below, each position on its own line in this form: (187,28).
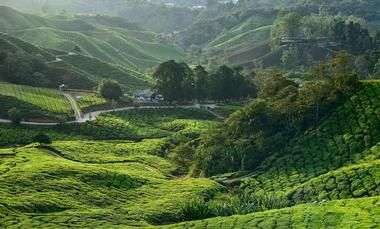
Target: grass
(100,70)
(147,152)
(78,71)
(251,32)
(61,192)
(254,37)
(133,49)
(89,101)
(351,213)
(34,102)
(146,123)
(128,125)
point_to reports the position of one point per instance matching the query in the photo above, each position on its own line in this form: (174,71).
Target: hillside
(350,213)
(34,102)
(110,44)
(190,114)
(344,139)
(329,176)
(77,70)
(108,193)
(253,31)
(77,181)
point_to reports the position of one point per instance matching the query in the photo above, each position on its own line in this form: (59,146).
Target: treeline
(350,34)
(265,126)
(32,69)
(179,82)
(22,68)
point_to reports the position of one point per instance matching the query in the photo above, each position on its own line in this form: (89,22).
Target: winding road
(93,115)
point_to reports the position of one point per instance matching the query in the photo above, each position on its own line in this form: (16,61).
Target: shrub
(42,139)
(231,205)
(194,209)
(247,203)
(15,115)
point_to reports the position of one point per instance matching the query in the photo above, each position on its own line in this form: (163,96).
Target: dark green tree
(42,139)
(174,81)
(201,81)
(110,89)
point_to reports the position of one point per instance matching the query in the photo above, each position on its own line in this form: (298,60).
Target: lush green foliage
(110,90)
(34,102)
(355,213)
(68,193)
(76,70)
(110,45)
(230,204)
(176,123)
(340,140)
(15,115)
(178,82)
(266,125)
(42,139)
(145,123)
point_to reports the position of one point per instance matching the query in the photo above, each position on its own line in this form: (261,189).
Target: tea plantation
(77,182)
(115,172)
(41,188)
(345,138)
(33,101)
(349,213)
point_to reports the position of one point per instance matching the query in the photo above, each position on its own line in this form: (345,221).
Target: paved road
(93,115)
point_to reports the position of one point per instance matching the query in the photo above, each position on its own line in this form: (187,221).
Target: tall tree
(110,89)
(172,81)
(201,81)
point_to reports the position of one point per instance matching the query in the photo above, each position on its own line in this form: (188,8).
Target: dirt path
(74,105)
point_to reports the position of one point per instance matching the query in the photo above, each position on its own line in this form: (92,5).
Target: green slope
(348,182)
(41,188)
(86,183)
(251,32)
(343,139)
(33,102)
(350,213)
(110,44)
(76,70)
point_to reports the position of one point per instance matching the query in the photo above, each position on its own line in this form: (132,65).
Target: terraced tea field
(78,182)
(345,138)
(33,101)
(41,188)
(146,123)
(350,213)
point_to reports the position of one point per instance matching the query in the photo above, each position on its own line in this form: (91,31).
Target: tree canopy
(110,89)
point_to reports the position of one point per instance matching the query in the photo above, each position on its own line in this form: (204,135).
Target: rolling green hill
(110,44)
(345,138)
(349,213)
(78,182)
(46,189)
(34,102)
(76,70)
(251,32)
